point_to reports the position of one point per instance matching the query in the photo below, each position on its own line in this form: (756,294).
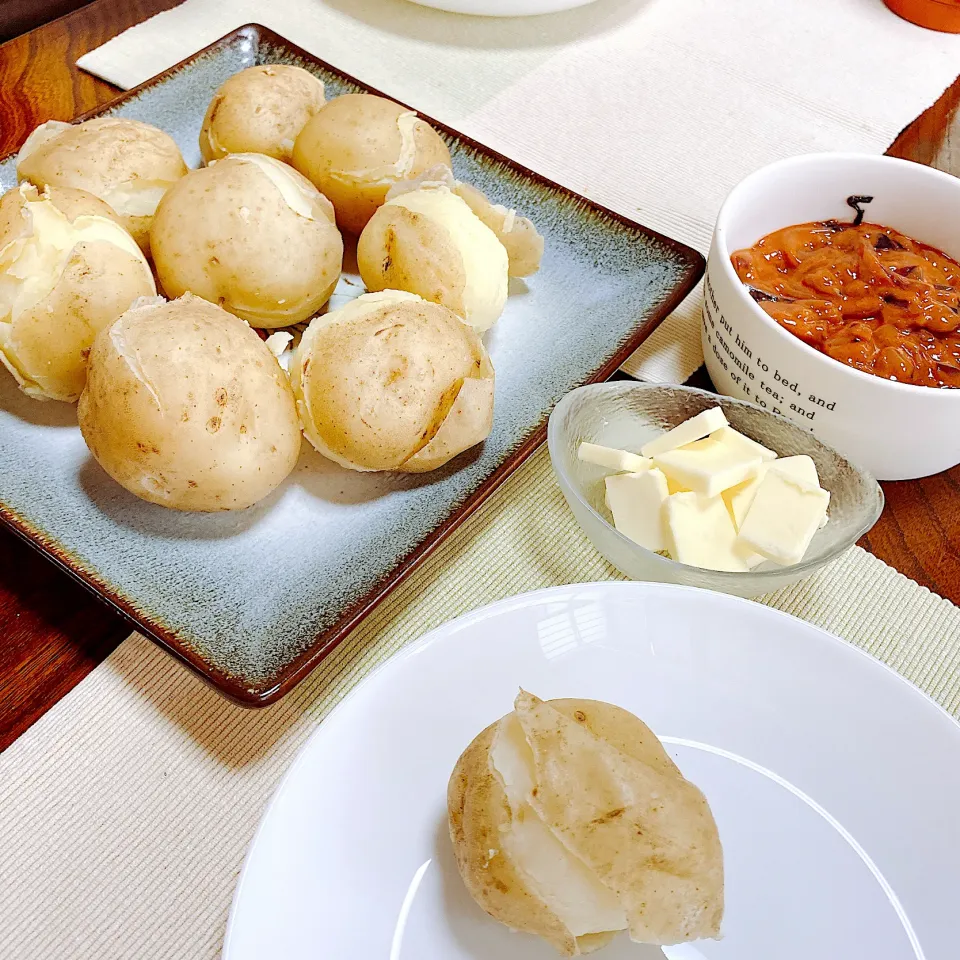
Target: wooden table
(53,633)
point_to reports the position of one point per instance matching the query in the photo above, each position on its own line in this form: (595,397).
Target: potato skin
(226,234)
(354,150)
(46,345)
(101,155)
(186,407)
(260,110)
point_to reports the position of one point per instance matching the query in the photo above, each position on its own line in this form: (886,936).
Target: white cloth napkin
(655,108)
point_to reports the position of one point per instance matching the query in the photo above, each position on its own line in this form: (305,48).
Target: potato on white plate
(127,164)
(569,821)
(185,406)
(392,382)
(429,242)
(260,110)
(358,146)
(251,234)
(67,270)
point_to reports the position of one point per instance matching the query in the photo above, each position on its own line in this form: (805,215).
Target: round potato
(67,270)
(252,235)
(392,382)
(127,164)
(569,821)
(358,146)
(429,242)
(260,110)
(185,406)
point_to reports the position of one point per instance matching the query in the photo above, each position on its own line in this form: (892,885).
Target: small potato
(392,382)
(127,164)
(252,235)
(429,242)
(67,270)
(358,146)
(569,821)
(185,406)
(260,110)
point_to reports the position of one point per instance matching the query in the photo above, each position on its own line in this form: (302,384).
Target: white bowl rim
(787,164)
(622,386)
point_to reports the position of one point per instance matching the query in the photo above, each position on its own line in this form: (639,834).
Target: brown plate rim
(262,695)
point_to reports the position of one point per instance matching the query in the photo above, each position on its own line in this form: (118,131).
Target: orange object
(865,295)
(943,15)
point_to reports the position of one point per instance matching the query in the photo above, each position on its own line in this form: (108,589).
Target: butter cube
(612,459)
(701,533)
(709,466)
(736,439)
(740,497)
(674,487)
(696,428)
(636,502)
(784,516)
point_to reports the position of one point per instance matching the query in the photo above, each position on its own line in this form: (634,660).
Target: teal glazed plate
(254,600)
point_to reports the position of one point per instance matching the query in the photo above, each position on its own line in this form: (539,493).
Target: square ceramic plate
(254,600)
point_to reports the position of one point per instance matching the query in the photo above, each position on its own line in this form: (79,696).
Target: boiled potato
(186,407)
(569,821)
(358,146)
(524,245)
(260,110)
(252,235)
(67,270)
(392,382)
(429,242)
(127,164)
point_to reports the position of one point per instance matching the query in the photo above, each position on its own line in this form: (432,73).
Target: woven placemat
(128,807)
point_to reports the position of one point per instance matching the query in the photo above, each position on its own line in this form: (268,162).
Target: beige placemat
(655,108)
(128,807)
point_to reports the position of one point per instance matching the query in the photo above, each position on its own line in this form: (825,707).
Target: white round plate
(503,8)
(835,784)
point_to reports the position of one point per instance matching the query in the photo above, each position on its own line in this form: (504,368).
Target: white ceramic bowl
(895,430)
(503,8)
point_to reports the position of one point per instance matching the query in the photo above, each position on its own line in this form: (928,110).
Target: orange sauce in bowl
(864,294)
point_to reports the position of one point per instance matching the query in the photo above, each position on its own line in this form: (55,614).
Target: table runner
(127,808)
(655,108)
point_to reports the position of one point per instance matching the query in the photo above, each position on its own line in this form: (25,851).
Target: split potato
(127,164)
(185,406)
(67,270)
(251,234)
(569,821)
(392,382)
(358,146)
(260,110)
(428,241)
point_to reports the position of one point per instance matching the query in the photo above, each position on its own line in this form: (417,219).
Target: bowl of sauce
(833,298)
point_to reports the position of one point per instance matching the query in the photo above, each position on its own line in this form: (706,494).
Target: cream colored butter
(738,441)
(612,459)
(708,466)
(783,518)
(484,258)
(701,533)
(636,501)
(696,428)
(740,497)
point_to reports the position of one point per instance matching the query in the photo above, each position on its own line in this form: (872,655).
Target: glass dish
(628,414)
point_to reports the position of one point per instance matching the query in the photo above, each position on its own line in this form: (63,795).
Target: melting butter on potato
(392,382)
(260,110)
(569,821)
(358,146)
(711,497)
(127,164)
(252,235)
(67,270)
(185,406)
(429,242)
